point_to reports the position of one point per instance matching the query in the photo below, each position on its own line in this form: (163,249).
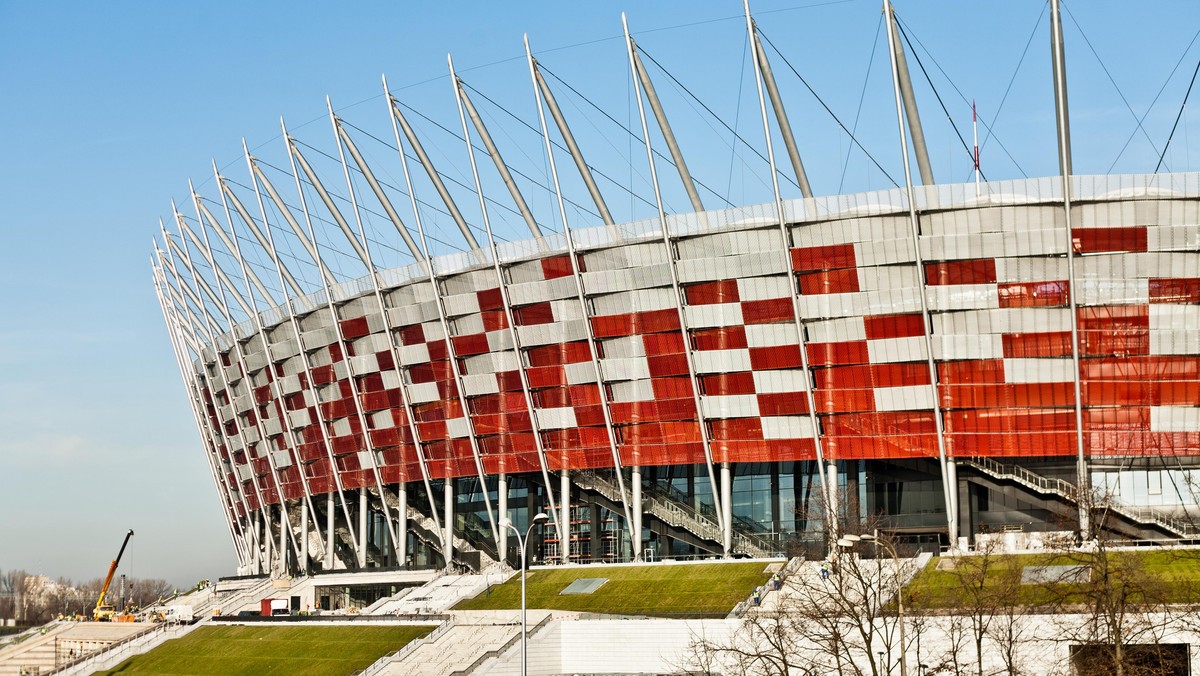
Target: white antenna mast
(975,130)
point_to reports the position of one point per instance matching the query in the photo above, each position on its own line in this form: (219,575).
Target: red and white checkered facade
(996,285)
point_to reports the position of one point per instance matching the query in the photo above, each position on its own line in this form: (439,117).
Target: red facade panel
(815,258)
(1175,290)
(844,280)
(1098,240)
(1034,294)
(981,271)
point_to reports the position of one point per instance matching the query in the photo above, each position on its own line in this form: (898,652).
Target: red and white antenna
(975,129)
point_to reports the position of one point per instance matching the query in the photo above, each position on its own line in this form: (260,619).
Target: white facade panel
(556,418)
(787,427)
(632,390)
(947,348)
(725,243)
(963,297)
(480,383)
(721,361)
(764,288)
(1038,371)
(580,373)
(1175,419)
(495,362)
(771,335)
(774,382)
(889,277)
(414,354)
(639,300)
(893,350)
(611,281)
(719,314)
(1175,342)
(625,346)
(906,398)
(461,304)
(836,330)
(1115,291)
(1171,317)
(420,393)
(635,368)
(730,406)
(1173,238)
(459,428)
(884,252)
(527,293)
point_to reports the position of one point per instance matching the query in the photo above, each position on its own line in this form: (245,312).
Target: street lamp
(537,520)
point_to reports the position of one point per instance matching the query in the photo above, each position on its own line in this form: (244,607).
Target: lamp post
(537,520)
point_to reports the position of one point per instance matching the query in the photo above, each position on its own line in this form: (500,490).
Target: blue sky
(111,107)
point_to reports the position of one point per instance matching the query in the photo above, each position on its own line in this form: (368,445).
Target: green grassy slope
(663,590)
(250,650)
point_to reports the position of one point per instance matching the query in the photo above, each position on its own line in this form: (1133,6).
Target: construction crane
(104,612)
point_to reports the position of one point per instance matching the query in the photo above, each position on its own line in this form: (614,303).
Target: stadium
(940,360)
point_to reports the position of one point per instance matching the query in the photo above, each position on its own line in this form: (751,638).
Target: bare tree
(840,619)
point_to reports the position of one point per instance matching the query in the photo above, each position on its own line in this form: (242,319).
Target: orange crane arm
(112,569)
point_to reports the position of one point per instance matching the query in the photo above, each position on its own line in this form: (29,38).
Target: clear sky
(109,108)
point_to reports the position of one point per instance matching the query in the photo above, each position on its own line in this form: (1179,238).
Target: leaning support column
(402,535)
(564,497)
(448,547)
(494,152)
(304,567)
(576,276)
(727,499)
(502,511)
(434,177)
(284,529)
(569,139)
(781,118)
(505,300)
(831,497)
(330,516)
(763,75)
(667,244)
(915,229)
(635,506)
(909,101)
(664,126)
(1064,163)
(362,528)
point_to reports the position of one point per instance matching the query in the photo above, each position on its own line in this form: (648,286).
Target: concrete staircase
(458,646)
(1068,492)
(677,514)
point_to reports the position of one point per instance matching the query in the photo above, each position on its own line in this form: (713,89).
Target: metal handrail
(676,513)
(496,652)
(1070,492)
(391,658)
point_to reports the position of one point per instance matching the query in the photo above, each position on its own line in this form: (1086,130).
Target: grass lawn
(1178,571)
(665,590)
(251,650)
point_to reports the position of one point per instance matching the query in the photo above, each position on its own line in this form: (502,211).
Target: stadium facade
(942,359)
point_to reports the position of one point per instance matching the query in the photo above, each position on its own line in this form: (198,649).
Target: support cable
(826,107)
(1112,80)
(514,116)
(1176,125)
(710,111)
(988,128)
(861,97)
(1156,97)
(949,118)
(631,133)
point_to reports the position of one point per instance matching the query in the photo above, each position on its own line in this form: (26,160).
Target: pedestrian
(824,570)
